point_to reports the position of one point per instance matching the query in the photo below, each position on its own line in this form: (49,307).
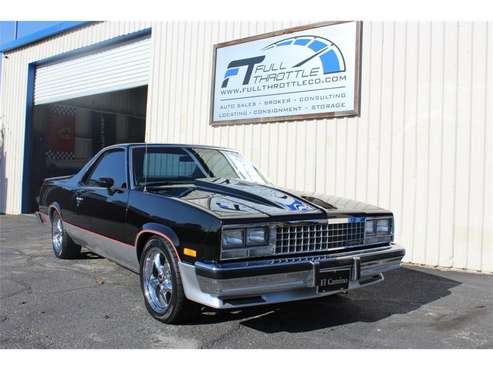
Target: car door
(105,207)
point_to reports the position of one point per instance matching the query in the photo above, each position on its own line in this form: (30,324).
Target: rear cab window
(161,164)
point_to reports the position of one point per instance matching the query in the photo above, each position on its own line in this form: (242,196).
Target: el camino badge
(329,281)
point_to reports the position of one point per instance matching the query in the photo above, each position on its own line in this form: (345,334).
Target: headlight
(233,238)
(370,226)
(246,242)
(378,230)
(257,236)
(383,226)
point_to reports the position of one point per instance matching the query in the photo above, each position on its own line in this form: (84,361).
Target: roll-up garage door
(123,66)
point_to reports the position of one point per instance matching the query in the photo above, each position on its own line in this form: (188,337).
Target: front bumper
(231,285)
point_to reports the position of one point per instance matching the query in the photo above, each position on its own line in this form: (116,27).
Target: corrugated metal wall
(13,95)
(422,146)
(115,68)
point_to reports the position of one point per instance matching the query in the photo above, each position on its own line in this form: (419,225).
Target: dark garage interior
(66,134)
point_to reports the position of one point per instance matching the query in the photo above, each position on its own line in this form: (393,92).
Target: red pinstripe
(160,234)
(150,231)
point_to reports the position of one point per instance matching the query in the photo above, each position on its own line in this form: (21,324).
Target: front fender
(161,230)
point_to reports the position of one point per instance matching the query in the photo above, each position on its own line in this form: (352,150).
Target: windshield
(168,165)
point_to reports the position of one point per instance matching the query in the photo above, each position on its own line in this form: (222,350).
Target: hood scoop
(230,187)
(318,202)
(255,193)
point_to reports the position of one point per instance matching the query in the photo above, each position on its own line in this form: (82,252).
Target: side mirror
(105,182)
(115,189)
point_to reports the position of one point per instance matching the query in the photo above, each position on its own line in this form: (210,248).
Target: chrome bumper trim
(297,282)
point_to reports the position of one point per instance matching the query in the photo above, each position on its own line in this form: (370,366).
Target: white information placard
(308,72)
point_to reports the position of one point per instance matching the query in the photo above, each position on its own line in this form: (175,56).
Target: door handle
(78,199)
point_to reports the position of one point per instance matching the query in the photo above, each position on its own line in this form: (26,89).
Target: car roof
(150,145)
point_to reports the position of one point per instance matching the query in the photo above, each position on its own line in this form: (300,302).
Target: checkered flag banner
(60,133)
(57,156)
(62,110)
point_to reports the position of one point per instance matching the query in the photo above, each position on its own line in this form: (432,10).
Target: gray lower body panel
(121,253)
(268,288)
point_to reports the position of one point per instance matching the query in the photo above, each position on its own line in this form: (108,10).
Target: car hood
(232,198)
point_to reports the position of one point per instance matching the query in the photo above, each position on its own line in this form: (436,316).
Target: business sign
(300,73)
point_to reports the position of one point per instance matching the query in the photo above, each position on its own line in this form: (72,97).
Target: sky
(7,28)
(8,31)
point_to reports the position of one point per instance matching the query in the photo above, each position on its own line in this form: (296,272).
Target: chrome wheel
(57,233)
(158,284)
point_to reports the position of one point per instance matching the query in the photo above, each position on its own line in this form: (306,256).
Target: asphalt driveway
(93,303)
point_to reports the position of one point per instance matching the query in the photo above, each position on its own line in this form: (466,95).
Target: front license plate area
(329,281)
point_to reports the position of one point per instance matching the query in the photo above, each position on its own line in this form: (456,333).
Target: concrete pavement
(93,303)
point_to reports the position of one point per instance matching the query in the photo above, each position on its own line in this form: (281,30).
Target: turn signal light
(190,252)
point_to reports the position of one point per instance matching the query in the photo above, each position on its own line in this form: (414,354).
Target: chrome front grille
(319,236)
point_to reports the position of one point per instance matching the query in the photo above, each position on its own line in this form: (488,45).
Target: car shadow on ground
(403,291)
(88,255)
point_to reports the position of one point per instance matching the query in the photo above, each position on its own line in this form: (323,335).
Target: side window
(112,165)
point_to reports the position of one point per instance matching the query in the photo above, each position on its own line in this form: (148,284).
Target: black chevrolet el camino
(202,226)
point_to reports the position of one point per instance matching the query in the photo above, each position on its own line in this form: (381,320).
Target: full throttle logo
(310,48)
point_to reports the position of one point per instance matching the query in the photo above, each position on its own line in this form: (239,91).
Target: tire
(162,286)
(63,246)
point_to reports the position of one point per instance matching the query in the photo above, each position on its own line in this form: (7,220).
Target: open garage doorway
(66,134)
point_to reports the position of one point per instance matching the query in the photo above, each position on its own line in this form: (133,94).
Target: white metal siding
(13,93)
(422,147)
(110,69)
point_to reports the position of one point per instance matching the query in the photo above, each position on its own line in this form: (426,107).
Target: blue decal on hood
(297,205)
